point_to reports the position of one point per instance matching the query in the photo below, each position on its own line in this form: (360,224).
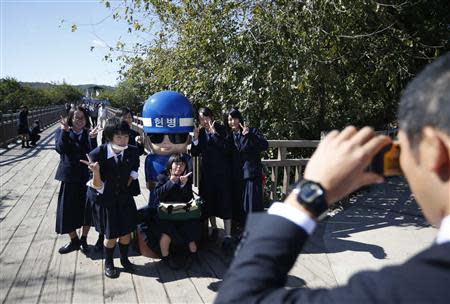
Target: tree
(295,68)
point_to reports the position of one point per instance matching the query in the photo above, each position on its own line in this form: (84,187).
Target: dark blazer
(265,256)
(71,150)
(215,152)
(167,191)
(246,153)
(115,177)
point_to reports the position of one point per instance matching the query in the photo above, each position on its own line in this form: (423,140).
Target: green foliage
(13,95)
(295,68)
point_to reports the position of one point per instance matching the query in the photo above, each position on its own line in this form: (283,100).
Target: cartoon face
(167,144)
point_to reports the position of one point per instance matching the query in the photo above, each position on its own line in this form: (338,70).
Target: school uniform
(73,174)
(215,173)
(34,135)
(246,173)
(114,211)
(23,123)
(180,231)
(265,256)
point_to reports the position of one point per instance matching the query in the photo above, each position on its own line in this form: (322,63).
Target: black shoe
(99,244)
(228,246)
(111,271)
(69,247)
(214,235)
(84,245)
(128,266)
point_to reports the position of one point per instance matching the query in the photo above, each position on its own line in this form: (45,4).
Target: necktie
(237,139)
(119,159)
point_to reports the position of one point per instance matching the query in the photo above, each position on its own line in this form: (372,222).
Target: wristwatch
(311,195)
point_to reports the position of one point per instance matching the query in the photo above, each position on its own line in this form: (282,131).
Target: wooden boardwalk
(32,270)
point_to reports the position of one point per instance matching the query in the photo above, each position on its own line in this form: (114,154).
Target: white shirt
(443,234)
(111,153)
(303,220)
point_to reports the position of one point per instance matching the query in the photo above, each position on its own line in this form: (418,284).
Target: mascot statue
(168,118)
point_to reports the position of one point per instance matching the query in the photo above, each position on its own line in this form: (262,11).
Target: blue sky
(36,46)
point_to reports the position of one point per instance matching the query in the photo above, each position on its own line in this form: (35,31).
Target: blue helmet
(168,112)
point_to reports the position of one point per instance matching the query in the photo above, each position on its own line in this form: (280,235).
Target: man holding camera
(337,168)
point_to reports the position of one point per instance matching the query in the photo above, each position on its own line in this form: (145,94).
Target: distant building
(94,91)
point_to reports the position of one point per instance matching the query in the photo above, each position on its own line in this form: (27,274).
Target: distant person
(102,115)
(94,114)
(135,138)
(34,134)
(24,131)
(246,144)
(215,178)
(114,166)
(67,107)
(175,186)
(72,142)
(272,242)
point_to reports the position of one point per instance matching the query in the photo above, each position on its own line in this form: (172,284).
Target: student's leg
(227,226)
(110,270)
(164,243)
(83,238)
(192,247)
(73,245)
(124,242)
(215,232)
(22,137)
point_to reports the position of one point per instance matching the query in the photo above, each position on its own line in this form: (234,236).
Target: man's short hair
(426,101)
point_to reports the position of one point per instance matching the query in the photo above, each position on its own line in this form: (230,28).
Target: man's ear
(435,152)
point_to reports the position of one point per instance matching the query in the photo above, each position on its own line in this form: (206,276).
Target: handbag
(177,211)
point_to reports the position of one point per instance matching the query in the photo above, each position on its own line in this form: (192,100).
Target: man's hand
(340,160)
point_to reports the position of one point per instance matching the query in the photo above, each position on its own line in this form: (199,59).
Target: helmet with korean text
(168,112)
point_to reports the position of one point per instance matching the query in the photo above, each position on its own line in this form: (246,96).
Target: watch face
(309,192)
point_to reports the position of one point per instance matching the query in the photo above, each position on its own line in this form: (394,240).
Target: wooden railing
(284,171)
(9,127)
(281,171)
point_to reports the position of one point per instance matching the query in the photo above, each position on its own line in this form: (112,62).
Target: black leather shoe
(128,266)
(228,246)
(111,272)
(84,245)
(69,247)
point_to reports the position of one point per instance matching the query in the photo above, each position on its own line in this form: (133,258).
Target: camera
(387,161)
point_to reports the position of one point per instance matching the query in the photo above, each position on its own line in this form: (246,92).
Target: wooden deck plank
(26,203)
(30,279)
(89,283)
(146,281)
(14,160)
(120,290)
(58,286)
(21,239)
(177,285)
(26,180)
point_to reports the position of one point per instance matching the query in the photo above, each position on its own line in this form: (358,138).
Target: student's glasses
(175,138)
